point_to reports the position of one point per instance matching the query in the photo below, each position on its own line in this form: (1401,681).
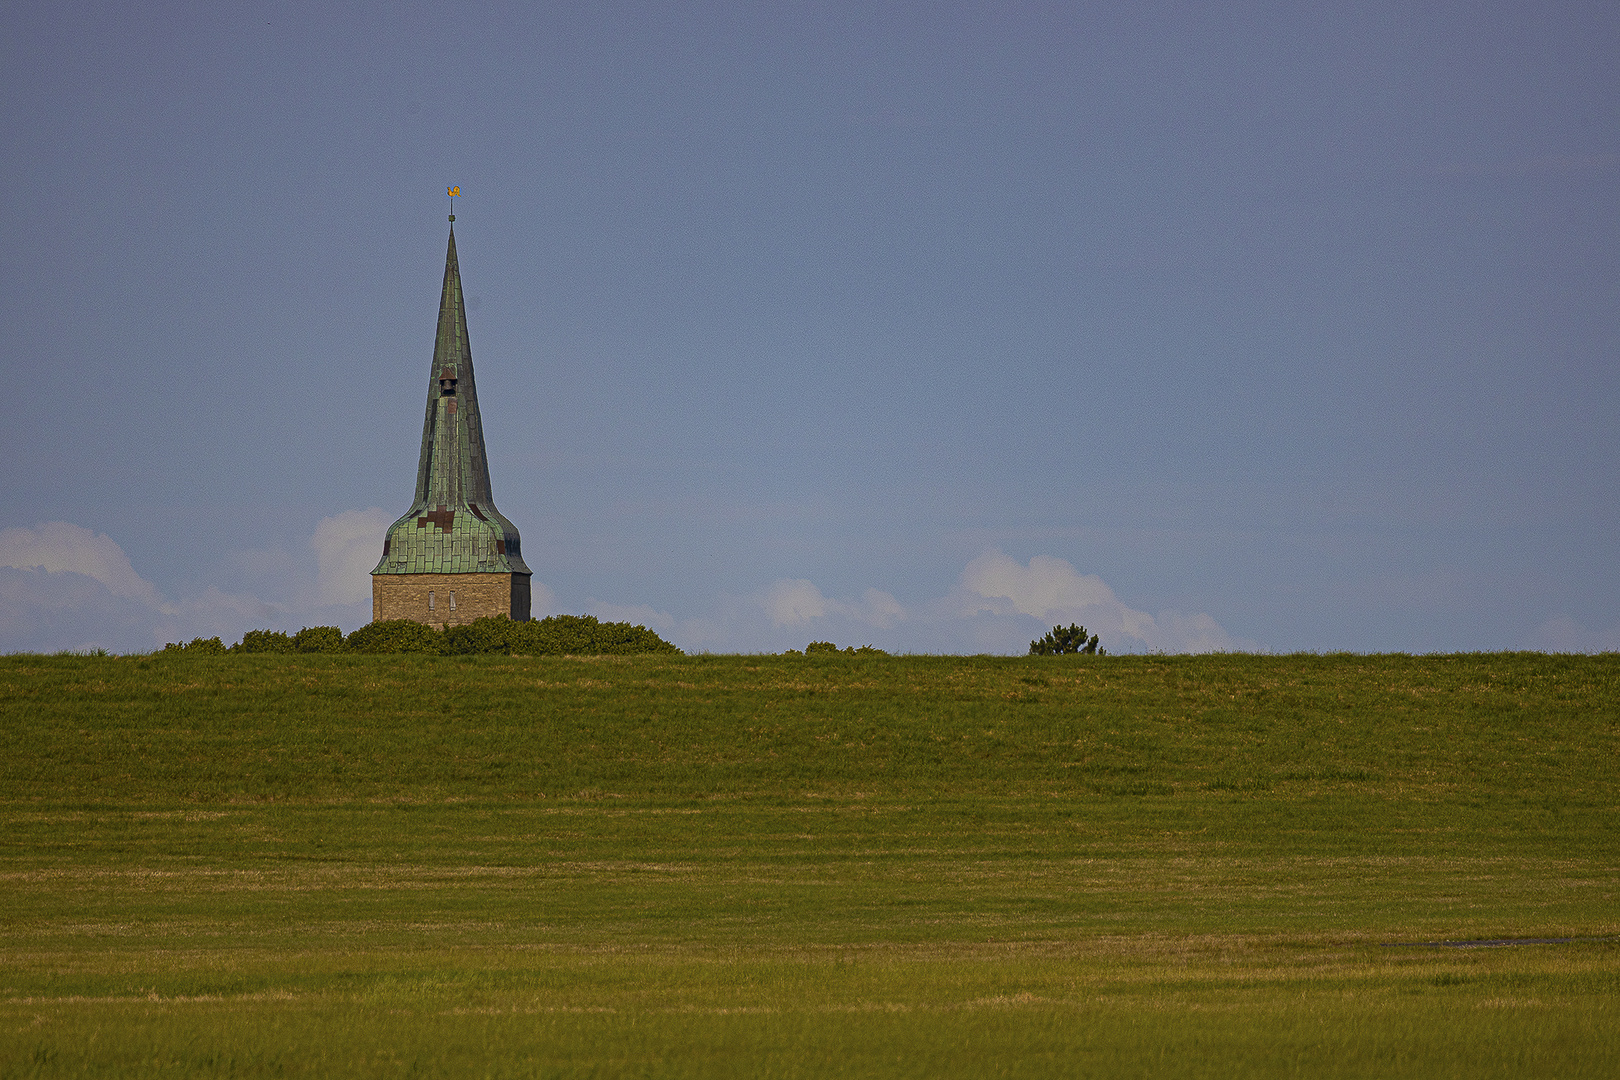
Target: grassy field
(809,866)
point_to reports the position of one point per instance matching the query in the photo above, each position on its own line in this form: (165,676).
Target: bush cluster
(558,635)
(1061,641)
(828,648)
(198,645)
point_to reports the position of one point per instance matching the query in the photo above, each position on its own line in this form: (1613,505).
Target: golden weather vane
(453,192)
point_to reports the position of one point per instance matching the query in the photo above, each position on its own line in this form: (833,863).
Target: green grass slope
(809,866)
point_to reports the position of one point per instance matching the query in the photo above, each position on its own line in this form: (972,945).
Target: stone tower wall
(405,596)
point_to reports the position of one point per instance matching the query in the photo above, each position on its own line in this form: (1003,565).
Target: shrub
(1063,641)
(205,646)
(584,635)
(491,634)
(558,635)
(395,636)
(264,641)
(621,638)
(848,650)
(318,639)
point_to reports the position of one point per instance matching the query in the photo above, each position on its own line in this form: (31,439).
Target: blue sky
(1228,325)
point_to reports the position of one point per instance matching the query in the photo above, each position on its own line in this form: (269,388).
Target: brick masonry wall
(405,596)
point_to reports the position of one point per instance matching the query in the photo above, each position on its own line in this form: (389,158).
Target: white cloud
(63,586)
(1174,632)
(997,605)
(1053,591)
(639,614)
(1043,588)
(61,547)
(796,601)
(220,614)
(880,609)
(793,602)
(347,547)
(1563,634)
(51,610)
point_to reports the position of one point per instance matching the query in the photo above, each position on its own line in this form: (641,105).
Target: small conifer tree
(1062,641)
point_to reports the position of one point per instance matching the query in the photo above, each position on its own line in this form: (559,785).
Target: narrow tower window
(452,599)
(430,599)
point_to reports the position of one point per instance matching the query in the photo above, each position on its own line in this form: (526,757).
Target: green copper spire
(453,526)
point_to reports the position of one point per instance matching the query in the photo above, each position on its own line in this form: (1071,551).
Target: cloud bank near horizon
(66,587)
(1563,634)
(997,605)
(1051,591)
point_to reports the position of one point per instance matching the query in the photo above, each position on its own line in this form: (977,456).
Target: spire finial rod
(453,192)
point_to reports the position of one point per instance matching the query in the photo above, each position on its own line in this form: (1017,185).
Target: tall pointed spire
(453,468)
(452,526)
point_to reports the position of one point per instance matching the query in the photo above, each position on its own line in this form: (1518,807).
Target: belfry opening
(452,557)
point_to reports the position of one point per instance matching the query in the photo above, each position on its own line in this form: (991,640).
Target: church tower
(452,558)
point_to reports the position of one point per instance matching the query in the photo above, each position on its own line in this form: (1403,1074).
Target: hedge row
(558,635)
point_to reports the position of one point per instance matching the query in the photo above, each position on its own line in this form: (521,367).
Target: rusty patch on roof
(441,517)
